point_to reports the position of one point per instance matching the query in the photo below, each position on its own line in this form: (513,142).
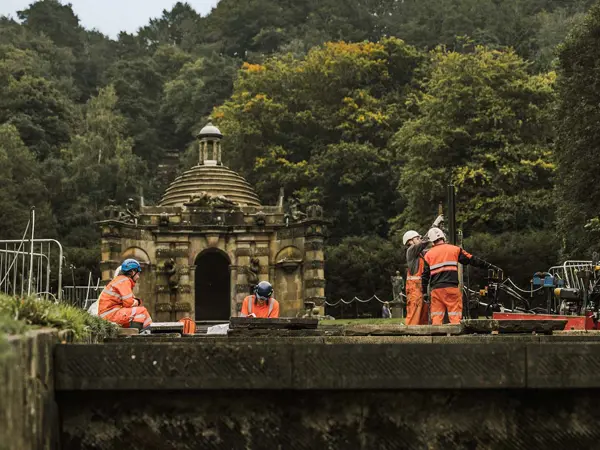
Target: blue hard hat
(264,290)
(130,264)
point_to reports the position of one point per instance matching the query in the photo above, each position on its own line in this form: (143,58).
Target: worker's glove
(139,300)
(439,219)
(426,298)
(252,315)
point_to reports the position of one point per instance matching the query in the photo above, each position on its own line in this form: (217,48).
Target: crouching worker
(440,274)
(117,303)
(261,304)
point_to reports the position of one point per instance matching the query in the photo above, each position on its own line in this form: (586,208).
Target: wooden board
(283,323)
(166,327)
(403,330)
(512,326)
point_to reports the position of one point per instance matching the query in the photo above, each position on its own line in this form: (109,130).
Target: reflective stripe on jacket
(441,266)
(413,281)
(116,295)
(415,263)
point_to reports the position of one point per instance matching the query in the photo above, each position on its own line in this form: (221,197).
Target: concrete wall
(28,412)
(347,393)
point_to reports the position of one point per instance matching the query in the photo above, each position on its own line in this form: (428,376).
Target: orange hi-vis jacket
(441,266)
(116,295)
(270,310)
(415,263)
(413,280)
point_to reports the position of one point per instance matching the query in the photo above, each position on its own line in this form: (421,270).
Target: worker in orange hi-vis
(417,311)
(440,274)
(261,304)
(117,303)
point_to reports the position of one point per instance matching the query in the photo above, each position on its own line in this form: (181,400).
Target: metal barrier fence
(26,265)
(83,296)
(568,272)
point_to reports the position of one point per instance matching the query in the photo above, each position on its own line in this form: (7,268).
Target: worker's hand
(252,315)
(439,219)
(139,300)
(426,298)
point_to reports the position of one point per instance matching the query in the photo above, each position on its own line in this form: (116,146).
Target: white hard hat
(434,234)
(409,235)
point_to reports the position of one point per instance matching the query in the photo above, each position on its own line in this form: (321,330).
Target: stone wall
(28,412)
(489,392)
(353,420)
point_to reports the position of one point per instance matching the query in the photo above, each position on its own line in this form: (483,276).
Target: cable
(522,290)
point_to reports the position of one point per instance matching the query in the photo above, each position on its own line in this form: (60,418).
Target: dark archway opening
(212,286)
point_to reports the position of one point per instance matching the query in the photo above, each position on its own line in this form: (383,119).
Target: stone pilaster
(242,285)
(110,248)
(314,274)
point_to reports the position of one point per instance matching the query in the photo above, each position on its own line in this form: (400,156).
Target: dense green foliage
(578,119)
(483,125)
(370,107)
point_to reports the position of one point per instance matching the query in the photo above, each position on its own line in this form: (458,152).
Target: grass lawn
(362,322)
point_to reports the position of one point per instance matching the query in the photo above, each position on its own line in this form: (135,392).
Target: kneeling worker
(261,304)
(440,273)
(117,303)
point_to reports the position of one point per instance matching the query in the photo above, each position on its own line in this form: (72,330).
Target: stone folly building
(209,241)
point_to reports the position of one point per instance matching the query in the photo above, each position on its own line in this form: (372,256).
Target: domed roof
(214,180)
(208,131)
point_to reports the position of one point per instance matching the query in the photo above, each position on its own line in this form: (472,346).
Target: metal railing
(568,272)
(83,296)
(26,264)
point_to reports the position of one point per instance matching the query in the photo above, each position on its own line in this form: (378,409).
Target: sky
(112,16)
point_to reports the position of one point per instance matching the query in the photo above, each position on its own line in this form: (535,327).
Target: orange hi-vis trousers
(449,298)
(417,311)
(124,317)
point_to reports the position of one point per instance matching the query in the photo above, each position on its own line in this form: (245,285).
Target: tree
(21,187)
(578,134)
(138,85)
(288,119)
(55,20)
(484,125)
(101,166)
(40,111)
(362,267)
(174,28)
(199,87)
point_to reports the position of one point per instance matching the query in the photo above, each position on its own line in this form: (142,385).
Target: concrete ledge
(409,366)
(173,366)
(331,363)
(564,365)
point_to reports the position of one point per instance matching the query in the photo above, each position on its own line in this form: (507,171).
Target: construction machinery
(569,291)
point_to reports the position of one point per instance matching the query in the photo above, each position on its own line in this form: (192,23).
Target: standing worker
(417,311)
(117,303)
(440,274)
(261,304)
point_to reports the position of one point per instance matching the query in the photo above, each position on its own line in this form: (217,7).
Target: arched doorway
(212,286)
